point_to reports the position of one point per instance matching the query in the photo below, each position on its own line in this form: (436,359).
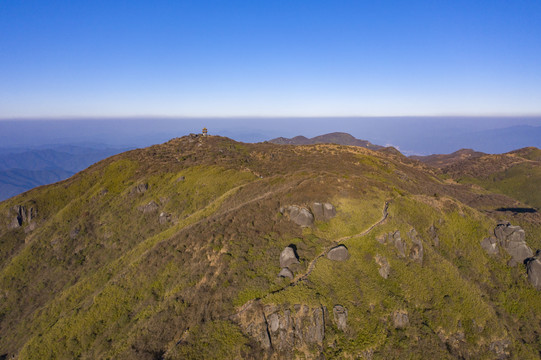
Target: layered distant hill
(208,248)
(339,138)
(24,169)
(516,173)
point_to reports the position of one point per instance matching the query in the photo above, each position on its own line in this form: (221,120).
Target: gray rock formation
(400,319)
(253,322)
(323,211)
(164,218)
(338,253)
(416,251)
(16,222)
(490,245)
(140,188)
(22,214)
(286,273)
(384,267)
(288,257)
(512,239)
(533,268)
(149,208)
(299,215)
(398,243)
(340,315)
(283,330)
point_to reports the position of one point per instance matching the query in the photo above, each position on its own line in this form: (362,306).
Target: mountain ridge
(173,251)
(339,138)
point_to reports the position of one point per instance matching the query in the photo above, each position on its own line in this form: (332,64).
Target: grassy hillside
(516,174)
(153,253)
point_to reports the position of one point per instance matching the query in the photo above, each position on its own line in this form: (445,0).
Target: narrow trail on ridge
(312,264)
(337,242)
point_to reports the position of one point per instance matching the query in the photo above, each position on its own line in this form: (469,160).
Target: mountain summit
(203,247)
(339,138)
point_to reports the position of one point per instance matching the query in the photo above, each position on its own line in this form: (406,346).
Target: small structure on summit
(205,132)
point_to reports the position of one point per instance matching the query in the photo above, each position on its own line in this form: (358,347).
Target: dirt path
(312,263)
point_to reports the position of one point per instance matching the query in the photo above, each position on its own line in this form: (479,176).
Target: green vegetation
(520,182)
(99,274)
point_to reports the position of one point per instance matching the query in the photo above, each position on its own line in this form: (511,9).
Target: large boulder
(490,245)
(286,273)
(288,257)
(533,268)
(338,253)
(299,215)
(340,315)
(512,239)
(323,211)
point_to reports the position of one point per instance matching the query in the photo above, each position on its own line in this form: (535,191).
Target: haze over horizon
(63,59)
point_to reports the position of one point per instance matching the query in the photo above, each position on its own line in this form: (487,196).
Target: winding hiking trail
(337,242)
(312,264)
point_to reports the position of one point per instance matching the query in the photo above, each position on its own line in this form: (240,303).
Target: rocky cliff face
(281,330)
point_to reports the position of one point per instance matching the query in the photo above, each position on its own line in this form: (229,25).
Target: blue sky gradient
(269,58)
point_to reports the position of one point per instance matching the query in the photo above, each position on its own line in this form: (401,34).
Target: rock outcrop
(253,322)
(323,211)
(149,208)
(512,239)
(400,319)
(164,218)
(22,214)
(283,330)
(299,215)
(384,267)
(140,188)
(288,257)
(394,238)
(340,315)
(338,253)
(286,273)
(533,269)
(490,245)
(416,251)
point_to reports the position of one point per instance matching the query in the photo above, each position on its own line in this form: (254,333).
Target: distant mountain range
(339,138)
(22,170)
(441,160)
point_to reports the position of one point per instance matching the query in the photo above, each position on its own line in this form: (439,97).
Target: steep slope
(338,138)
(173,252)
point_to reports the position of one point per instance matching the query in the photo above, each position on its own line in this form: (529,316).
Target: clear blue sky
(269,58)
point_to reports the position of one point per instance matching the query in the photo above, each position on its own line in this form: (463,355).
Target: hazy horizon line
(180,117)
